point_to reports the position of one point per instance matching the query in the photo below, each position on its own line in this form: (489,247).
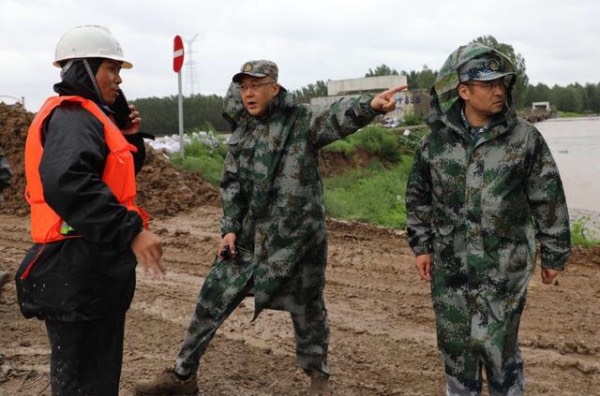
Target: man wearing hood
(82,152)
(274,242)
(483,188)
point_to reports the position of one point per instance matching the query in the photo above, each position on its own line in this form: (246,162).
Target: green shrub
(374,194)
(340,146)
(380,142)
(412,119)
(209,167)
(196,148)
(569,114)
(203,158)
(578,234)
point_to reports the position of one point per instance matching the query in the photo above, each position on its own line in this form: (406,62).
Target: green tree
(591,98)
(423,79)
(538,93)
(381,70)
(160,116)
(426,78)
(568,98)
(304,94)
(411,78)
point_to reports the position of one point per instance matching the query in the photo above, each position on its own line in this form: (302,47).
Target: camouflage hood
(444,93)
(233,108)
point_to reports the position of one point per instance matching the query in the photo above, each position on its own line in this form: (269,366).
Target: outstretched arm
(386,100)
(346,115)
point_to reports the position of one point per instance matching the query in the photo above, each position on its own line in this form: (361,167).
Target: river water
(575,145)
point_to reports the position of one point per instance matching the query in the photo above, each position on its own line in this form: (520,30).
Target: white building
(407,101)
(540,106)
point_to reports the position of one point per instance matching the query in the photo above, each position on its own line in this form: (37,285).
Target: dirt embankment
(163,190)
(382,325)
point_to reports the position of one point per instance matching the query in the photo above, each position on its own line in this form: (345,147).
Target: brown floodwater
(575,145)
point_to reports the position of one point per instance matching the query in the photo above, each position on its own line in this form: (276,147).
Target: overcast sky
(310,40)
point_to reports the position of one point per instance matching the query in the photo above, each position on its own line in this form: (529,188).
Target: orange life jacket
(119,170)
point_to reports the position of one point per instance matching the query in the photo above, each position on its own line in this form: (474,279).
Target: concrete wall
(366,84)
(414,101)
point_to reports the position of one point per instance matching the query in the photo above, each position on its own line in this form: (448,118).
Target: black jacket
(92,276)
(5,173)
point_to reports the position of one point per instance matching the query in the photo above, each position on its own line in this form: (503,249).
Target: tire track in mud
(352,335)
(564,353)
(14,242)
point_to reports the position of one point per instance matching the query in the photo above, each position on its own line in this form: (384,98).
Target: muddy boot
(167,383)
(319,384)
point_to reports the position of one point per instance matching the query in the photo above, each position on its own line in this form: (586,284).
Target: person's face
(108,80)
(257,93)
(483,99)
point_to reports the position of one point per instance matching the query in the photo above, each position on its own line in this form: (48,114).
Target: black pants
(86,356)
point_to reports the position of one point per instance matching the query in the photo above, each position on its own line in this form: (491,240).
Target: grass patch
(570,114)
(203,158)
(389,144)
(340,146)
(373,195)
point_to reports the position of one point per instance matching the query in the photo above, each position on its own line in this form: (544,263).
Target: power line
(191,66)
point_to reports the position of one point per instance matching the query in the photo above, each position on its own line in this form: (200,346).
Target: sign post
(177,64)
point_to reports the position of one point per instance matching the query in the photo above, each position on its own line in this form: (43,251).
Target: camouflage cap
(257,68)
(488,67)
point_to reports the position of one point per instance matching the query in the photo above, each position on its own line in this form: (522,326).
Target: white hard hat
(89,41)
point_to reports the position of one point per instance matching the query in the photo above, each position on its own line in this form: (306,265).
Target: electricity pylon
(191,66)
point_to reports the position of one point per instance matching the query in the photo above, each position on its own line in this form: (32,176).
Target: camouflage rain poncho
(478,207)
(273,200)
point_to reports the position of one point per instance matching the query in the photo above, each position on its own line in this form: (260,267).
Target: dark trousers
(86,356)
(311,331)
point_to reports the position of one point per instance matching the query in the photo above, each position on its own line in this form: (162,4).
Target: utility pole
(191,66)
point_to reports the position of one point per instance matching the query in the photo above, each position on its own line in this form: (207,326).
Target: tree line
(204,112)
(577,98)
(200,112)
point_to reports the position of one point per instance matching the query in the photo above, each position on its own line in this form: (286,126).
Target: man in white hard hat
(82,152)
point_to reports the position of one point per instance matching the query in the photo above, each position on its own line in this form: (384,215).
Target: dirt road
(382,338)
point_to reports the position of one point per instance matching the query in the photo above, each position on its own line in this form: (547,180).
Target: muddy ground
(382,325)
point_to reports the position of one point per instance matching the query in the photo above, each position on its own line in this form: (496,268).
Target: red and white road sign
(177,54)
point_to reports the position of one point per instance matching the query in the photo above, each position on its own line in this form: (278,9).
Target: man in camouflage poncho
(273,219)
(483,187)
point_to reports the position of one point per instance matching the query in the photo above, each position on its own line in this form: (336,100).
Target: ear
(276,89)
(463,91)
